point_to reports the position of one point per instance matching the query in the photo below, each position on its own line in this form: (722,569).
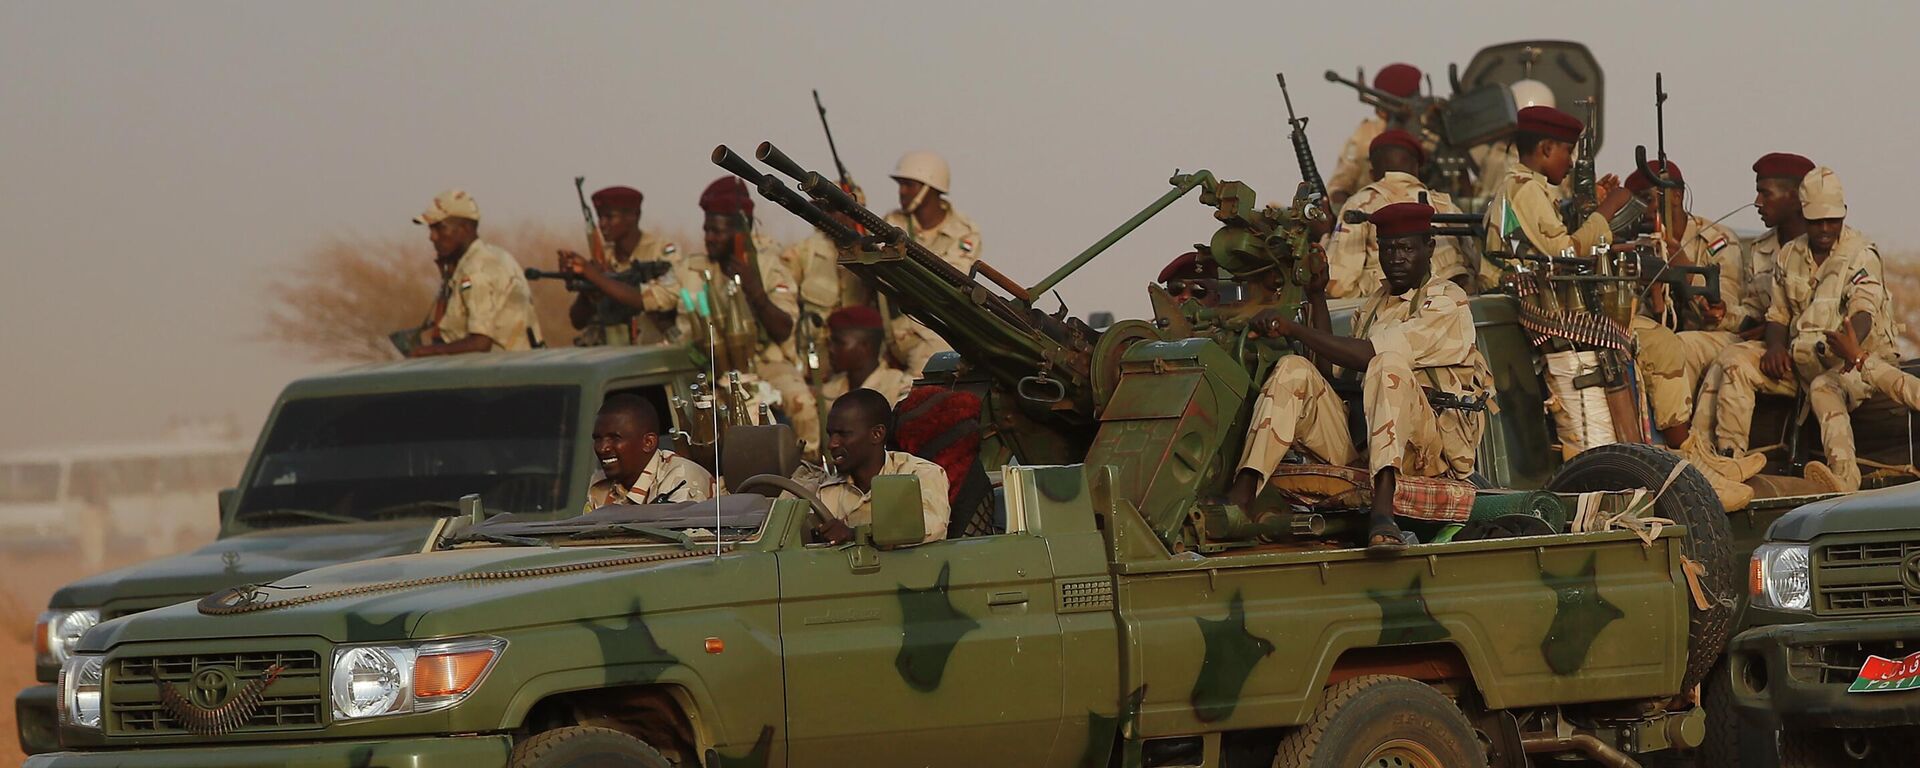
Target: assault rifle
(607,311)
(1302,151)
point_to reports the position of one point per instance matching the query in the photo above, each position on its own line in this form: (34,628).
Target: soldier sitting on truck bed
(484,303)
(618,212)
(1350,173)
(634,469)
(1415,335)
(1353,253)
(857,430)
(856,336)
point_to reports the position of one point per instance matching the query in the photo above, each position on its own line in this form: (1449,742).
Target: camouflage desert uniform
(957,241)
(669,478)
(1810,299)
(1353,169)
(775,362)
(824,285)
(488,296)
(1674,362)
(1762,259)
(886,380)
(848,504)
(1353,252)
(1421,338)
(659,298)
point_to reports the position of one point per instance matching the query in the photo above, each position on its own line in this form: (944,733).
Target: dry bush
(345,295)
(1903,285)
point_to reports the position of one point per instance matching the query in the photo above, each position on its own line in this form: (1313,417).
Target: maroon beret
(1782,165)
(1399,138)
(1642,179)
(1551,123)
(727,195)
(857,316)
(1188,266)
(1402,80)
(1402,219)
(617,197)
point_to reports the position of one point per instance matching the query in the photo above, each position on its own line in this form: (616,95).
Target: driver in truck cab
(857,430)
(1415,335)
(634,469)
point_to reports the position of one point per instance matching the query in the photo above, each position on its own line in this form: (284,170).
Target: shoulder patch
(966,244)
(669,249)
(1717,245)
(467,282)
(1861,276)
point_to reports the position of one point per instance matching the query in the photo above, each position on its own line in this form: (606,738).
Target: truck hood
(385,609)
(1885,509)
(250,558)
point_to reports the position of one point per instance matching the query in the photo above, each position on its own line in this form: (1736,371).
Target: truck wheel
(585,747)
(1382,721)
(1691,502)
(1847,748)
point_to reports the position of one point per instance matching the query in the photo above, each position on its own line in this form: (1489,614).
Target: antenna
(713,363)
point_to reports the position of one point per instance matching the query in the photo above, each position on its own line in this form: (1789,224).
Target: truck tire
(585,747)
(1691,502)
(1382,720)
(1843,748)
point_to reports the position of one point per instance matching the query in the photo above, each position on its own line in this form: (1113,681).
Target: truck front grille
(295,700)
(1864,577)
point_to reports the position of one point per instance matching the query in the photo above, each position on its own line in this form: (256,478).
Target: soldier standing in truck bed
(1351,172)
(618,209)
(1353,253)
(1415,334)
(825,286)
(484,303)
(924,181)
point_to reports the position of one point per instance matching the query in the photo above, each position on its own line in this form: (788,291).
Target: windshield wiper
(436,507)
(309,514)
(496,538)
(614,530)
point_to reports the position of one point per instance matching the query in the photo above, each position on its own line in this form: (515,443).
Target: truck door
(954,642)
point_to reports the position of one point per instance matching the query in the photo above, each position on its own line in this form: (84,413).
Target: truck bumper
(451,752)
(1797,674)
(34,711)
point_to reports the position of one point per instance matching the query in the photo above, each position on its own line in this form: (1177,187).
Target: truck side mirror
(898,519)
(225,500)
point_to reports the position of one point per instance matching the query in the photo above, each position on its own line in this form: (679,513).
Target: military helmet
(1532,93)
(925,167)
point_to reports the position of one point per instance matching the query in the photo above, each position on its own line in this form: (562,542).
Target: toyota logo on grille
(211,687)
(1910,572)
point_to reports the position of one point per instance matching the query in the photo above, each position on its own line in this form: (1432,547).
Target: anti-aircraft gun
(1164,401)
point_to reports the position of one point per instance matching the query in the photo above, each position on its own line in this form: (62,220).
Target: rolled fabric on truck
(1583,419)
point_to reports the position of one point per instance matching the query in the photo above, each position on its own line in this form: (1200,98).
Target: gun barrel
(1370,95)
(784,196)
(724,157)
(778,160)
(1182,184)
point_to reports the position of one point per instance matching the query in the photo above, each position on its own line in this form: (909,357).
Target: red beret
(1642,179)
(727,195)
(1402,80)
(1399,138)
(1782,165)
(1402,219)
(854,317)
(1188,266)
(1551,123)
(617,197)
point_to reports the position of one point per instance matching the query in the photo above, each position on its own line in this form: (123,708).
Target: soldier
(1190,277)
(1496,158)
(1402,80)
(484,303)
(618,209)
(1674,361)
(857,337)
(634,469)
(825,286)
(1525,204)
(1353,253)
(1828,277)
(766,297)
(924,181)
(1416,334)
(857,430)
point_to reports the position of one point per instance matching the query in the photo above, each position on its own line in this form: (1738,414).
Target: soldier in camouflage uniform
(634,469)
(1353,252)
(1352,171)
(1828,277)
(1415,335)
(857,430)
(825,286)
(618,209)
(857,338)
(924,180)
(484,302)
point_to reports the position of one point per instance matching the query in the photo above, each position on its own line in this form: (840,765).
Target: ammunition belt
(1541,323)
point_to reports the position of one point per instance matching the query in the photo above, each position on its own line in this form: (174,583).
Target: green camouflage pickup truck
(359,463)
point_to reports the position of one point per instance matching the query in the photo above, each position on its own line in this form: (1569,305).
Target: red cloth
(1642,179)
(727,195)
(1402,80)
(1782,165)
(617,197)
(1399,138)
(1401,219)
(855,316)
(1188,266)
(1328,487)
(923,422)
(1551,123)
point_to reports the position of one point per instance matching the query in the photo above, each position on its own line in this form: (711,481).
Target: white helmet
(925,167)
(1531,93)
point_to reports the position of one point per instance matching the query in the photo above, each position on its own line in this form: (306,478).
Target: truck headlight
(378,680)
(1781,577)
(80,684)
(55,633)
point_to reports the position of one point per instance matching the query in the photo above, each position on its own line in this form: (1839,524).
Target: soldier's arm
(1347,253)
(1346,172)
(1733,280)
(1440,334)
(776,317)
(1866,293)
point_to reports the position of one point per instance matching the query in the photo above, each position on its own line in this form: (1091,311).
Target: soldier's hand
(1272,324)
(1844,344)
(1778,363)
(1317,273)
(575,264)
(835,532)
(1613,201)
(1713,311)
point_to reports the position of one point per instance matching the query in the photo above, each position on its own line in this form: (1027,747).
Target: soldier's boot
(1842,477)
(1698,450)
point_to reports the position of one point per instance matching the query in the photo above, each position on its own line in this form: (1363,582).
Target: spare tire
(1691,502)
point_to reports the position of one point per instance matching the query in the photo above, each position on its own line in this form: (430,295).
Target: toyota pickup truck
(358,464)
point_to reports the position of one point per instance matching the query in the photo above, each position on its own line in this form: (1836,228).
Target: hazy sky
(159,161)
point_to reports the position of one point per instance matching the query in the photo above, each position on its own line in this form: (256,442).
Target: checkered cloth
(1324,487)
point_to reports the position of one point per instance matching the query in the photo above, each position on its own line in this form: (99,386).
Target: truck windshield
(404,454)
